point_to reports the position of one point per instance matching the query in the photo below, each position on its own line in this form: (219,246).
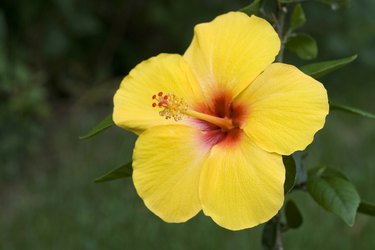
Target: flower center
(176,108)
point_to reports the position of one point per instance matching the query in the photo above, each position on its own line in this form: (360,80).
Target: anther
(172,106)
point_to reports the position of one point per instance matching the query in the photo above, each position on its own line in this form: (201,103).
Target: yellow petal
(286,109)
(167,73)
(241,185)
(167,162)
(231,51)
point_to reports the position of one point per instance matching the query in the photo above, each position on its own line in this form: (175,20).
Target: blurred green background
(60,64)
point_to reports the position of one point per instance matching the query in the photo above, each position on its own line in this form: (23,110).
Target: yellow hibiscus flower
(213,123)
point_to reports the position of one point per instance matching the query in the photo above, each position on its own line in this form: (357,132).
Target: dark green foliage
(107,122)
(298,18)
(303,45)
(253,8)
(118,173)
(293,215)
(269,234)
(334,193)
(366,208)
(320,69)
(351,110)
(290,173)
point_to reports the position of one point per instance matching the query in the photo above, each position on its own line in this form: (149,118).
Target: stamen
(176,108)
(173,107)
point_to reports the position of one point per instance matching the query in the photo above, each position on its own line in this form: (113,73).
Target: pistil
(224,123)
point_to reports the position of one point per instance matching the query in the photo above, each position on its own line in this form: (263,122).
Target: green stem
(279,240)
(281,12)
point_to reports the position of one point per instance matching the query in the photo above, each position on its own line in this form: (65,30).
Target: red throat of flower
(220,121)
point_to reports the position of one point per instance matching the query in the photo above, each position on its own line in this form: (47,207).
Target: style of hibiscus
(214,123)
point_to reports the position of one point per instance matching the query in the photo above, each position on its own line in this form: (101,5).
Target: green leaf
(317,171)
(252,8)
(124,171)
(323,171)
(103,125)
(335,194)
(269,234)
(331,172)
(303,45)
(322,68)
(366,208)
(293,215)
(290,174)
(298,18)
(351,110)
